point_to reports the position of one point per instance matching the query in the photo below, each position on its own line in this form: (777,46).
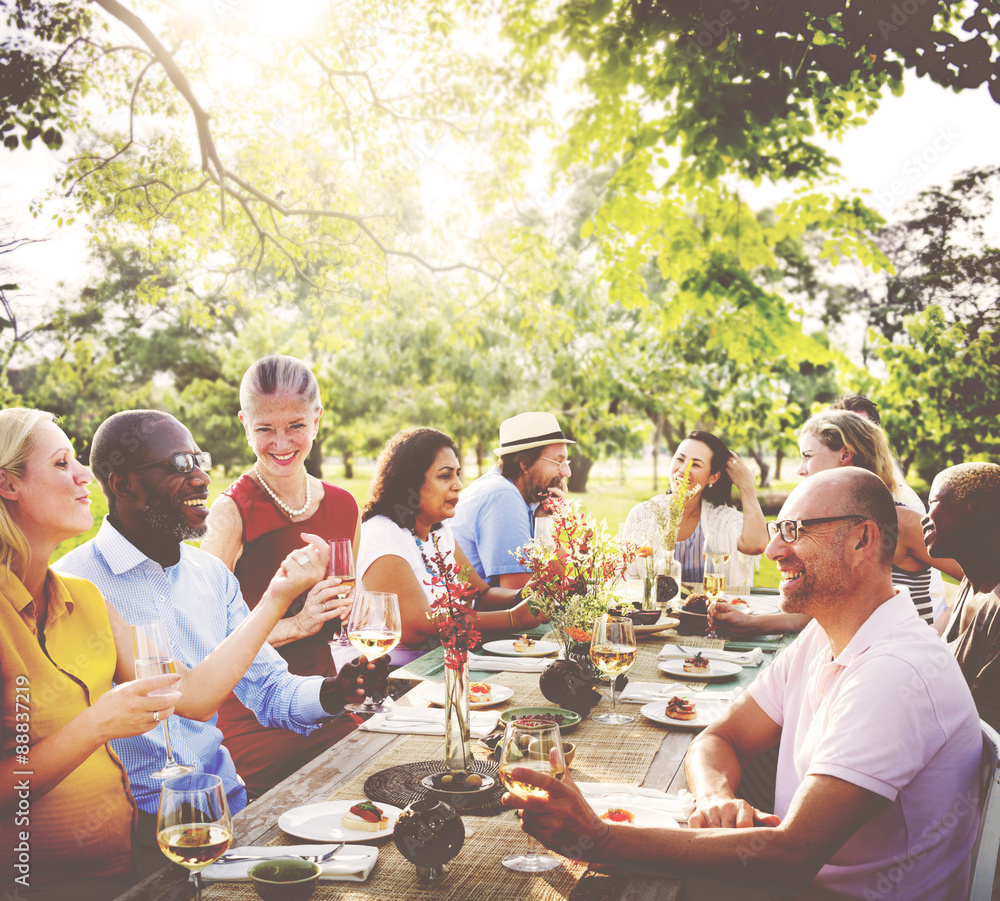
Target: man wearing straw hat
(496,513)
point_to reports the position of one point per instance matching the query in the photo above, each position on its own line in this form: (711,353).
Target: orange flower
(578,634)
(644,551)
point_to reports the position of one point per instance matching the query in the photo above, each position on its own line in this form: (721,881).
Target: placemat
(401,785)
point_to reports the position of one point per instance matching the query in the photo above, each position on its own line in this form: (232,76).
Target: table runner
(604,754)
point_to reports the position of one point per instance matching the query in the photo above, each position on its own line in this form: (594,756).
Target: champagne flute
(613,651)
(153,657)
(374,628)
(342,567)
(536,747)
(193,826)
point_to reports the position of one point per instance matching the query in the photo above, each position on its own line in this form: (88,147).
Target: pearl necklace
(289,512)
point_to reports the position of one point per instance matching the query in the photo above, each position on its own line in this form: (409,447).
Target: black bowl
(691,623)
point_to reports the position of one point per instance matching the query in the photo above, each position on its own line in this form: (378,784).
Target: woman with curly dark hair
(404,528)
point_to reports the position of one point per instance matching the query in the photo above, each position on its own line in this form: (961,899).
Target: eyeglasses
(789,528)
(559,463)
(183,462)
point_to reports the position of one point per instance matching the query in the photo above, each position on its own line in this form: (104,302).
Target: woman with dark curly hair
(404,527)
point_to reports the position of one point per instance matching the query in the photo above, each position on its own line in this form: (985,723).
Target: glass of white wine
(714,577)
(374,629)
(193,826)
(613,651)
(535,747)
(342,567)
(153,657)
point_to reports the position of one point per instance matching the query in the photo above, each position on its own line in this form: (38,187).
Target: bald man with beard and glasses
(154,477)
(963,522)
(879,746)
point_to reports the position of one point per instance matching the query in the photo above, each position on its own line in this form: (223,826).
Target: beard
(820,585)
(541,492)
(167,520)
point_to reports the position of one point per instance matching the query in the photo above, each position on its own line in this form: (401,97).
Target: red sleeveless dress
(264,756)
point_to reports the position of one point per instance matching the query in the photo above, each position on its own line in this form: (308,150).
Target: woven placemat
(402,785)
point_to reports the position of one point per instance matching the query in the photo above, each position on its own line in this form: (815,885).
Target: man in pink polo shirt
(878,738)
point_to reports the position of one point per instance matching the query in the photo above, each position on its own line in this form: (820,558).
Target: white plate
(644,816)
(707,711)
(506,648)
(717,670)
(323,822)
(434,692)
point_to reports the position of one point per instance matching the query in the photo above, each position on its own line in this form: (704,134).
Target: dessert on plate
(480,692)
(523,644)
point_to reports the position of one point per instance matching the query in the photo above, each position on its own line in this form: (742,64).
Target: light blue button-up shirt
(199,600)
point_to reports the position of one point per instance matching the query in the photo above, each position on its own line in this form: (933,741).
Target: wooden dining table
(640,753)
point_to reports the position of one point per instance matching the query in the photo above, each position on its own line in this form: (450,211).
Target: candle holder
(429,833)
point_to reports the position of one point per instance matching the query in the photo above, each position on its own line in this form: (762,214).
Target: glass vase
(668,583)
(457,742)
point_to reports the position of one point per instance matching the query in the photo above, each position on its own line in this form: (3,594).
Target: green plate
(570,719)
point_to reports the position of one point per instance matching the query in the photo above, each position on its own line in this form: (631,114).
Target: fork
(312,858)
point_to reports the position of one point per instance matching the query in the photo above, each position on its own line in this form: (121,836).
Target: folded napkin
(352,863)
(620,795)
(508,664)
(427,721)
(753,657)
(644,692)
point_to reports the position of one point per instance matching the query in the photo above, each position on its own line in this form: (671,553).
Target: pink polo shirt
(893,715)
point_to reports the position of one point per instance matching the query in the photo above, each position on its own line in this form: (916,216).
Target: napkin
(508,664)
(352,863)
(753,657)
(644,692)
(621,795)
(427,721)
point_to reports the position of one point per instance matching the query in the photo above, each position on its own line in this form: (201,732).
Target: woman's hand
(327,600)
(741,474)
(128,708)
(299,571)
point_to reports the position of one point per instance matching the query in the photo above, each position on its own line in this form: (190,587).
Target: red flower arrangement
(452,608)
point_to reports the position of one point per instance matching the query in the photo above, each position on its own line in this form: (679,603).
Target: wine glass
(613,651)
(536,747)
(341,567)
(714,578)
(374,628)
(153,657)
(193,826)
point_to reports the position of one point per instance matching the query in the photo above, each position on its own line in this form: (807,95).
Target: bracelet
(510,615)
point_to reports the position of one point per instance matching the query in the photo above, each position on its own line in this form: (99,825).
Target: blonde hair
(16,447)
(864,439)
(278,374)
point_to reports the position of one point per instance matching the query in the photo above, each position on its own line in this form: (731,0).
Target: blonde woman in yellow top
(67,677)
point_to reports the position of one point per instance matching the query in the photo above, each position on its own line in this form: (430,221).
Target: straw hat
(528,430)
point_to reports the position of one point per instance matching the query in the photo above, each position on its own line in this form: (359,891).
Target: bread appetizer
(523,644)
(696,664)
(681,709)
(618,815)
(365,817)
(480,692)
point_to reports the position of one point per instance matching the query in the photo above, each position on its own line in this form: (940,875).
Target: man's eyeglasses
(789,528)
(183,462)
(559,463)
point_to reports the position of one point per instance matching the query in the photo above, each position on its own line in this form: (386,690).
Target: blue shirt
(492,520)
(199,600)
(689,552)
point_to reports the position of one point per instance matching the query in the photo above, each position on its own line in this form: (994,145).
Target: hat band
(551,437)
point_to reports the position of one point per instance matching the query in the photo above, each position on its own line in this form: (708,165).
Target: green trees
(941,401)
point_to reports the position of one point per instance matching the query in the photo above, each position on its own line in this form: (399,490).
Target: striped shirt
(689,552)
(199,600)
(919,586)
